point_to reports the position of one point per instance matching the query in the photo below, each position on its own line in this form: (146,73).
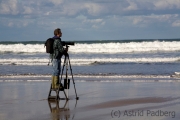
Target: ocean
(101,60)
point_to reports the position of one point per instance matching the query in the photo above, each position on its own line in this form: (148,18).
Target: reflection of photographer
(58,52)
(57,112)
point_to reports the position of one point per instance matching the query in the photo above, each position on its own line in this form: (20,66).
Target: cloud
(83,8)
(56,2)
(167,4)
(96,23)
(9,7)
(176,23)
(132,6)
(93,9)
(27,10)
(90,15)
(89,8)
(94,20)
(146,20)
(16,22)
(10,24)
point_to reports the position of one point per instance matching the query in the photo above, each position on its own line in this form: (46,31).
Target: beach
(114,79)
(27,100)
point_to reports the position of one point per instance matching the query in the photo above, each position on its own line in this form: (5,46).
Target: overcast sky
(25,20)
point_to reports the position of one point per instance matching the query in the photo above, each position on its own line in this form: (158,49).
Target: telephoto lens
(67,43)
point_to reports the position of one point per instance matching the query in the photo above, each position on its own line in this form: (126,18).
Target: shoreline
(97,101)
(94,78)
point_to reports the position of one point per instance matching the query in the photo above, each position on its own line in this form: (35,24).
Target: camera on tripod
(67,43)
(66,67)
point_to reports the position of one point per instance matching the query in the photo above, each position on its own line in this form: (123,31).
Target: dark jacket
(58,48)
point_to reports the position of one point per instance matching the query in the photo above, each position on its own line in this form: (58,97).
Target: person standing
(58,52)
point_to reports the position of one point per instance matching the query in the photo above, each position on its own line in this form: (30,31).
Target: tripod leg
(50,91)
(72,77)
(65,95)
(64,64)
(63,68)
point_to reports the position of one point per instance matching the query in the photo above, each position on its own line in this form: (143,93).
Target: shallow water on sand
(97,100)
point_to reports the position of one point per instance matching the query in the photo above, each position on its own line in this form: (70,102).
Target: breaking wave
(85,61)
(94,78)
(111,48)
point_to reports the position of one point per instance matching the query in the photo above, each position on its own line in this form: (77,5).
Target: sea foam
(111,48)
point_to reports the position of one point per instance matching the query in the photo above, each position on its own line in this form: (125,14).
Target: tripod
(67,63)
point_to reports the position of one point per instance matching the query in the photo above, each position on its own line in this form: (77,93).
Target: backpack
(49,45)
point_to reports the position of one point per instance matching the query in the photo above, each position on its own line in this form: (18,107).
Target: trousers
(56,64)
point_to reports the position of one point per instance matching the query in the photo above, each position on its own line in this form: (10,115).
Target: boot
(52,82)
(56,82)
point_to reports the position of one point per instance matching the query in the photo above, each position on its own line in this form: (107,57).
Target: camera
(67,43)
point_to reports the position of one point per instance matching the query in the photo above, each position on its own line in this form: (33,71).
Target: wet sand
(97,101)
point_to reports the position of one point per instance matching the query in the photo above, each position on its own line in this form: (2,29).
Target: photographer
(58,51)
